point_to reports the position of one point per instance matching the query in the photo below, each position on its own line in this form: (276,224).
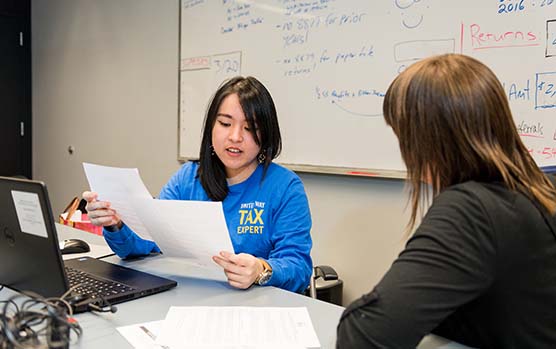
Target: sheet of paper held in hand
(238,327)
(191,230)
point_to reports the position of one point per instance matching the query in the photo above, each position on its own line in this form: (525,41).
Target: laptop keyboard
(94,287)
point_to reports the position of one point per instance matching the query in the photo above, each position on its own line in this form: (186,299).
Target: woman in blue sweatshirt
(265,205)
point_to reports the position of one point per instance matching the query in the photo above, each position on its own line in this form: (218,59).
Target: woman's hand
(240,269)
(99,212)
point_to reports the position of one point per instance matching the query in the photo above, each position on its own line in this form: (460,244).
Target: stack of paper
(191,230)
(226,327)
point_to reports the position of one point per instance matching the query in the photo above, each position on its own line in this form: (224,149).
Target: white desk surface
(99,329)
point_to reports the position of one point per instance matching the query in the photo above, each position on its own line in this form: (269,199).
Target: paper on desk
(191,230)
(239,327)
(142,336)
(123,188)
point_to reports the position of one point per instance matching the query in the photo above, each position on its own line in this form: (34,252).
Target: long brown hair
(454,124)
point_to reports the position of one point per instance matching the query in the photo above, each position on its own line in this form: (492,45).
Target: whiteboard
(328,64)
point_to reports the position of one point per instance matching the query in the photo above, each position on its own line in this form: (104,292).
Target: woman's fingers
(241,269)
(99,212)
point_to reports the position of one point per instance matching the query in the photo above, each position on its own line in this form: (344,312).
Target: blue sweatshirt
(268,218)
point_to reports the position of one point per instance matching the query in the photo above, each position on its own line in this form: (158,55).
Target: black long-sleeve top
(480,270)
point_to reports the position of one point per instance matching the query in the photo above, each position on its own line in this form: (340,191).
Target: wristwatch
(265,275)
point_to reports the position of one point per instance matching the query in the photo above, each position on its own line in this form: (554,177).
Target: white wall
(105,80)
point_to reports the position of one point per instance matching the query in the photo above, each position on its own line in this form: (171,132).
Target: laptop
(30,258)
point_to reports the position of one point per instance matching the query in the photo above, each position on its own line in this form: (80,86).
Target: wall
(105,82)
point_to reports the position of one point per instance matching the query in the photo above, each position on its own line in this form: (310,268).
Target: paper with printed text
(190,230)
(238,327)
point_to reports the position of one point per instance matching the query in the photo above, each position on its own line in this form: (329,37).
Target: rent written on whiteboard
(328,63)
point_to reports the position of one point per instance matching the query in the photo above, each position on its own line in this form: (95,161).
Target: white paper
(29,213)
(123,188)
(190,230)
(142,336)
(245,327)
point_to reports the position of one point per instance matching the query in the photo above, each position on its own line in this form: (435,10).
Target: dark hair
(454,124)
(260,112)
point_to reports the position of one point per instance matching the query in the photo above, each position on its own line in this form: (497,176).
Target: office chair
(331,293)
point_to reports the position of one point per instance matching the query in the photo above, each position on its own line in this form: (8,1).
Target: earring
(261,157)
(212,150)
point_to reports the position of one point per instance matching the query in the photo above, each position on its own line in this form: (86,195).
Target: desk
(99,330)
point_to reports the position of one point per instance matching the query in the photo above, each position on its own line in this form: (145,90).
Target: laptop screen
(30,259)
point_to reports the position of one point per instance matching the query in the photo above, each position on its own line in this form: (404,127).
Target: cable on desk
(37,323)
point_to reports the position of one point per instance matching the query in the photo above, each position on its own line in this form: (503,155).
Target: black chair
(331,291)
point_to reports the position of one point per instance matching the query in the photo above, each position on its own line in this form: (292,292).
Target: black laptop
(30,258)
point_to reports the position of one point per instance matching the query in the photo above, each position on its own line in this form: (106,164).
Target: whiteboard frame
(332,170)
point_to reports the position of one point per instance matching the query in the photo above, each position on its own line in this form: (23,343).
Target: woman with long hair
(480,268)
(265,205)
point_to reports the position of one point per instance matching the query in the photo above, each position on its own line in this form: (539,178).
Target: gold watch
(265,275)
